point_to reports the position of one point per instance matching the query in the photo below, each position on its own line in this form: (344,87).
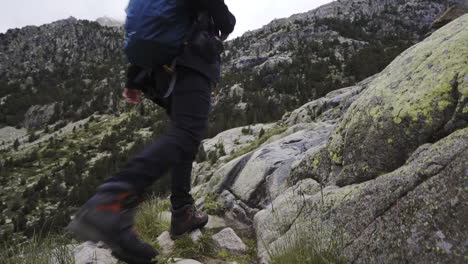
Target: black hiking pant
(188,108)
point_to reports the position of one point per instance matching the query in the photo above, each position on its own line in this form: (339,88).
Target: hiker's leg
(189,118)
(185,217)
(150,164)
(180,185)
(189,114)
(190,107)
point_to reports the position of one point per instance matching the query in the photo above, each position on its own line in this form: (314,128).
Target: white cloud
(19,13)
(251,14)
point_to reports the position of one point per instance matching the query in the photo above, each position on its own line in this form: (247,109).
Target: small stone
(166,243)
(228,240)
(90,253)
(29,81)
(101,244)
(196,235)
(215,222)
(87,82)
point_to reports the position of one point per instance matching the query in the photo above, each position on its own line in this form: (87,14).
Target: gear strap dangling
(171,70)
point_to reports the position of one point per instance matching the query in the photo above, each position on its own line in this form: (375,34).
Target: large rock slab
(265,174)
(329,107)
(235,139)
(39,115)
(419,98)
(272,223)
(413,213)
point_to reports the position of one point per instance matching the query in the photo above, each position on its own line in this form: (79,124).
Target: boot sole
(88,232)
(130,260)
(175,237)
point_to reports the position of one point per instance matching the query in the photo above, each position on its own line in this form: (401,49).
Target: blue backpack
(155,31)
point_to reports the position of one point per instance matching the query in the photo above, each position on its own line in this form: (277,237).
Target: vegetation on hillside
(42,185)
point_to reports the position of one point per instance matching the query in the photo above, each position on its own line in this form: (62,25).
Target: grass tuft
(38,250)
(185,247)
(310,252)
(149,221)
(212,206)
(248,258)
(316,245)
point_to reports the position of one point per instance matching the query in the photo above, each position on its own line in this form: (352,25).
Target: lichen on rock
(407,105)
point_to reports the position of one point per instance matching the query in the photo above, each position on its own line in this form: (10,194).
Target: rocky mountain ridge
(294,60)
(65,70)
(51,66)
(109,22)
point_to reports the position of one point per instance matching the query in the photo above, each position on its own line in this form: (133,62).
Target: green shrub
(16,144)
(246,130)
(212,206)
(212,157)
(32,136)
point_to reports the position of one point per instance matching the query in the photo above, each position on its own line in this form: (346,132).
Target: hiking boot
(109,217)
(185,220)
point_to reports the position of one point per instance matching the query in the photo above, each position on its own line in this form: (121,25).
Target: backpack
(156,31)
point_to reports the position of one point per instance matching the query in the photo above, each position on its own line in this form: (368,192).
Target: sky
(250,14)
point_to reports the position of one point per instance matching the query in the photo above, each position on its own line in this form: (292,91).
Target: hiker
(181,83)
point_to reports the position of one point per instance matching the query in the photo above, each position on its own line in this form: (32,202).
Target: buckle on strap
(172,71)
(168,69)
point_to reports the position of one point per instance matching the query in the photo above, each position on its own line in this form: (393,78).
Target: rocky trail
(224,239)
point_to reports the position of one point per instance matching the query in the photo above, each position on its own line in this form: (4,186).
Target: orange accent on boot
(134,230)
(113,207)
(189,218)
(199,215)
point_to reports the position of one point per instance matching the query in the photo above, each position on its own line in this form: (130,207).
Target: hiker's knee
(188,137)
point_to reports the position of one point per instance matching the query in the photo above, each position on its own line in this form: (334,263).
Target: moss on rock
(411,102)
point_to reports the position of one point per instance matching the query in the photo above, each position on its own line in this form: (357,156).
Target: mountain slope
(68,70)
(372,172)
(288,184)
(73,66)
(294,60)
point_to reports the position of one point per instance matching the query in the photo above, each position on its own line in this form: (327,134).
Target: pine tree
(222,152)
(201,156)
(262,132)
(16,144)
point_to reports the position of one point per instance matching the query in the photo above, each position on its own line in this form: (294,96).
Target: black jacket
(203,36)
